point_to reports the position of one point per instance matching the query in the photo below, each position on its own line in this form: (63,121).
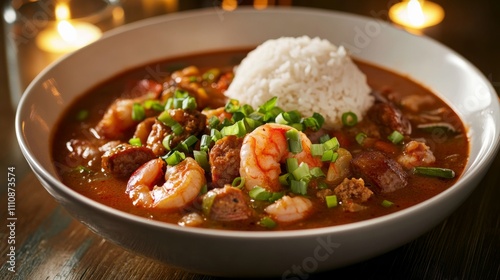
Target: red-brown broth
(111,191)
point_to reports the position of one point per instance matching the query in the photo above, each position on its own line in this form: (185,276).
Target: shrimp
(289,209)
(262,152)
(182,183)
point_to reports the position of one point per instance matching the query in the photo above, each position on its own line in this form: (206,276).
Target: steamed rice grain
(306,74)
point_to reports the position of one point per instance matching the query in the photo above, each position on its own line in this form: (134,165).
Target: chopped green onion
(331,201)
(169,104)
(238,182)
(291,164)
(332,144)
(275,196)
(311,123)
(166,119)
(215,134)
(298,187)
(213,122)
(177,128)
(267,222)
(205,142)
(395,137)
(138,112)
(329,155)
(294,141)
(135,142)
(434,172)
(175,158)
(317,172)
(181,94)
(324,138)
(166,142)
(207,202)
(237,129)
(319,118)
(232,106)
(360,137)
(190,141)
(202,158)
(284,179)
(297,126)
(317,149)
(280,119)
(349,119)
(252,124)
(387,203)
(154,104)
(204,189)
(268,105)
(82,115)
(211,75)
(189,103)
(302,172)
(259,193)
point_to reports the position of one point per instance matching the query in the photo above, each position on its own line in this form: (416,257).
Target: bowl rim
(479,165)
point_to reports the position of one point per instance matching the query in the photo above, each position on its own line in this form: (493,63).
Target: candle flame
(415,14)
(64,27)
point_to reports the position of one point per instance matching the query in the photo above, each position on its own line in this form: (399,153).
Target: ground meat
(390,118)
(124,159)
(81,152)
(225,160)
(155,139)
(380,171)
(229,204)
(352,191)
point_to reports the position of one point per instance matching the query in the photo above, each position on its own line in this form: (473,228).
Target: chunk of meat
(81,152)
(224,159)
(192,121)
(124,159)
(352,193)
(229,204)
(380,171)
(390,117)
(416,153)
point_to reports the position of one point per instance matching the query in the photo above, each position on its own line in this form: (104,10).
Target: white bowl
(235,253)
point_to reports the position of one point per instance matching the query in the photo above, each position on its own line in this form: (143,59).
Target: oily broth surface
(111,191)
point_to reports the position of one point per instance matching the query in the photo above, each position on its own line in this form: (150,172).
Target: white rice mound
(306,74)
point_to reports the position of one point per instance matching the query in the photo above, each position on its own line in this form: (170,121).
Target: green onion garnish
(204,189)
(174,158)
(349,119)
(135,142)
(387,203)
(177,128)
(233,105)
(82,115)
(284,179)
(189,103)
(138,112)
(238,182)
(324,138)
(360,137)
(166,142)
(205,142)
(294,141)
(332,144)
(317,149)
(330,156)
(259,193)
(215,134)
(154,104)
(207,202)
(395,137)
(268,105)
(275,196)
(238,129)
(316,172)
(202,158)
(302,172)
(298,187)
(267,222)
(331,201)
(434,172)
(291,164)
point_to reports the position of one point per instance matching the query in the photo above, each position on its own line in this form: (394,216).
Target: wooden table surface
(50,244)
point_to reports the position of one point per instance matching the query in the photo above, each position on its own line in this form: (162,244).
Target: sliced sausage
(224,159)
(229,204)
(124,159)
